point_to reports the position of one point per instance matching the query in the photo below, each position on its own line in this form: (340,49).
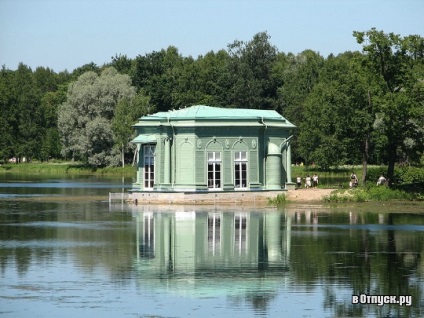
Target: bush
(339,196)
(372,193)
(279,199)
(374,173)
(383,193)
(402,175)
(410,175)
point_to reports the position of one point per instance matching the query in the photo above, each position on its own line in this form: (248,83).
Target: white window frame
(241,238)
(214,161)
(214,233)
(149,164)
(240,160)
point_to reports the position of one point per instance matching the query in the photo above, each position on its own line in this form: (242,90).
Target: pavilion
(212,149)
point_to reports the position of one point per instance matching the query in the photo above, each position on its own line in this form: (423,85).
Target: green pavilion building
(204,148)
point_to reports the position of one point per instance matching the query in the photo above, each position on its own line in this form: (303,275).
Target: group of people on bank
(309,181)
(312,182)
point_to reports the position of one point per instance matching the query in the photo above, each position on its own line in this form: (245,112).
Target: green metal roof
(200,112)
(144,139)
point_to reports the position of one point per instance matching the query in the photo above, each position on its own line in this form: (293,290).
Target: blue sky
(65,34)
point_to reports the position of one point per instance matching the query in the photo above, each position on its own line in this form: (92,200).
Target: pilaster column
(288,160)
(167,161)
(139,171)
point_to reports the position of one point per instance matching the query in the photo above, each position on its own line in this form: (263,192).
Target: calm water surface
(63,254)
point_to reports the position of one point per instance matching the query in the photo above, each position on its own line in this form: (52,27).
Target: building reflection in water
(207,242)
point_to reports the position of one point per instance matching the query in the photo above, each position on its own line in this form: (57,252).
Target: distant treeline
(354,108)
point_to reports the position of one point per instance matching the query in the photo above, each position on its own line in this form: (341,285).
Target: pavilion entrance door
(214,170)
(240,170)
(149,166)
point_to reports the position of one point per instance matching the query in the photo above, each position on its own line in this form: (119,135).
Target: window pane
(210,179)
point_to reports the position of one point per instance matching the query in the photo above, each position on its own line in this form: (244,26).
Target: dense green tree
(52,94)
(29,122)
(157,73)
(338,118)
(215,76)
(397,64)
(297,75)
(189,89)
(84,69)
(28,119)
(352,108)
(50,102)
(127,111)
(122,64)
(8,115)
(45,79)
(250,69)
(85,119)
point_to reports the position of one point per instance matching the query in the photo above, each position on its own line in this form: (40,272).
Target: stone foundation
(231,197)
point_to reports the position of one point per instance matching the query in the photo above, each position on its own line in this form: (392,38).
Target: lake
(66,252)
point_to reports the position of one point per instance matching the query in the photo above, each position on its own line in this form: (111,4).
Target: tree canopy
(354,108)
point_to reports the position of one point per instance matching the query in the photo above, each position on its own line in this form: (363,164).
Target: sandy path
(308,195)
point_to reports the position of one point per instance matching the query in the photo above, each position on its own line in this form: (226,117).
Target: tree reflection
(372,260)
(260,302)
(357,253)
(249,257)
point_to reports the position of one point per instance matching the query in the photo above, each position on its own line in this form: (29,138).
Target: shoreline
(66,169)
(261,206)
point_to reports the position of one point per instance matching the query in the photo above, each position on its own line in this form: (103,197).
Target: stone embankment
(235,197)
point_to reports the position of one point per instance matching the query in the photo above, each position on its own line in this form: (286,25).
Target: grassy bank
(278,200)
(66,168)
(332,178)
(408,183)
(381,193)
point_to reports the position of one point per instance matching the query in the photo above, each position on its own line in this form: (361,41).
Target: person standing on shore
(299,182)
(308,181)
(315,180)
(353,180)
